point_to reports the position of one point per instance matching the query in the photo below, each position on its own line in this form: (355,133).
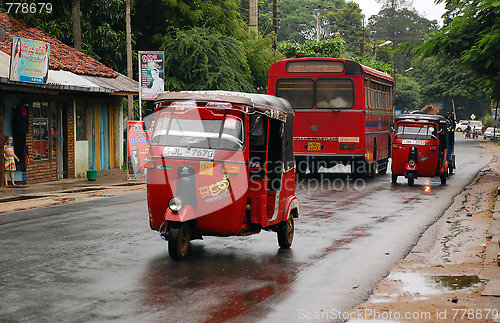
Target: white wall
(81,158)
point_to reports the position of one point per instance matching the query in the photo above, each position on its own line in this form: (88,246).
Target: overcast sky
(426,8)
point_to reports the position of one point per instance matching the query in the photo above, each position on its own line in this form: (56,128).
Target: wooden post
(253,16)
(130,72)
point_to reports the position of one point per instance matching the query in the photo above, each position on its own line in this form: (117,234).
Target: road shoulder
(452,273)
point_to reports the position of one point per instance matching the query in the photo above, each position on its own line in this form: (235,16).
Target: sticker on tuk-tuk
(188,152)
(216,191)
(413,142)
(206,168)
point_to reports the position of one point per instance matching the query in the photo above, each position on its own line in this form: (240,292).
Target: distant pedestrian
(10,159)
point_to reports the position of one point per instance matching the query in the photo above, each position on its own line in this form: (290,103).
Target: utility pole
(253,16)
(130,72)
(318,26)
(362,42)
(275,24)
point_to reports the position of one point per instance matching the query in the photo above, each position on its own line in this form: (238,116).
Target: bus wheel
(179,238)
(371,169)
(285,233)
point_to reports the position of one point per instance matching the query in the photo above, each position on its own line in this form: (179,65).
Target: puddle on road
(425,285)
(420,286)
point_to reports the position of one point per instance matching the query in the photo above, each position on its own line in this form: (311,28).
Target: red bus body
(343,111)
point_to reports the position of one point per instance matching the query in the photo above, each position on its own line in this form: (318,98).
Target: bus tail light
(347,146)
(150,164)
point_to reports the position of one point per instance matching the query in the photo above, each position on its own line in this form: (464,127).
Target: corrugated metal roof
(121,85)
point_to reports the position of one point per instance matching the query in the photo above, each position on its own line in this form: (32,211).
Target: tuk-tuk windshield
(223,132)
(415,131)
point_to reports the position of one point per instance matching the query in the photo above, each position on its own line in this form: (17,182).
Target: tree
(325,48)
(204,59)
(472,35)
(102,26)
(154,20)
(297,20)
(398,22)
(408,94)
(445,80)
(77,25)
(347,23)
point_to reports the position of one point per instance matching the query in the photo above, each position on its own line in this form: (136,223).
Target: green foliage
(102,23)
(154,19)
(259,58)
(472,35)
(297,20)
(399,24)
(408,94)
(378,65)
(204,59)
(488,120)
(325,48)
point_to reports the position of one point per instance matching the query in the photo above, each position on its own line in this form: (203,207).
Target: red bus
(343,112)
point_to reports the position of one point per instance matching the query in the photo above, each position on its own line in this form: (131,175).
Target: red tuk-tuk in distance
(221,164)
(419,148)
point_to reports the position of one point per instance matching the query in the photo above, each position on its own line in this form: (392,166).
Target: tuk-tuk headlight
(175,204)
(411,162)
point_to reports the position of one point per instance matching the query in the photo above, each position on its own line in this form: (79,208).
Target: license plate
(314,146)
(413,142)
(191,152)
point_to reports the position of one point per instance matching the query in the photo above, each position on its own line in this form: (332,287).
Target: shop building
(68,125)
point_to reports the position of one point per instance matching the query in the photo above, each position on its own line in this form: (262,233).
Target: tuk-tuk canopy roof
(272,106)
(421,117)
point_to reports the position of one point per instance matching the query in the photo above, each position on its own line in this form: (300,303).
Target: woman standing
(10,159)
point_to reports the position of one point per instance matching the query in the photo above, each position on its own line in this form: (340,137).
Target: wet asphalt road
(98,261)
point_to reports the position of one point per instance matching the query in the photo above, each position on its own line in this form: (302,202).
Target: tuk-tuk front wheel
(179,237)
(411,179)
(285,233)
(394,178)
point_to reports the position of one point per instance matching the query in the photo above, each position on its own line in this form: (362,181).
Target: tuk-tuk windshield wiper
(418,132)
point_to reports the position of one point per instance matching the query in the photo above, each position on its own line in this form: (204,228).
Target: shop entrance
(99,137)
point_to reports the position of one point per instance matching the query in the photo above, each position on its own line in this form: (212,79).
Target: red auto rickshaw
(221,164)
(419,148)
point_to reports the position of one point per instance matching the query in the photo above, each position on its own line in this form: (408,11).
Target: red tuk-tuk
(419,148)
(221,164)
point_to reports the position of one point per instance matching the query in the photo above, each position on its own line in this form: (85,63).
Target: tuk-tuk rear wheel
(285,233)
(179,238)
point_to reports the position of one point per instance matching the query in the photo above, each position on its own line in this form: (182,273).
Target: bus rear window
(334,93)
(298,91)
